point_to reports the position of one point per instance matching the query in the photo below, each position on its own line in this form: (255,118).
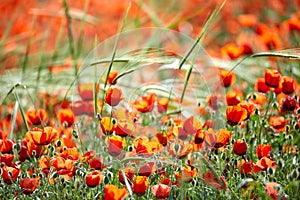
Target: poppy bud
(240,147)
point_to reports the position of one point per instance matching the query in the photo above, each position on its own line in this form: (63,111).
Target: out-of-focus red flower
(261,86)
(129,174)
(240,147)
(213,100)
(147,169)
(115,145)
(6,145)
(94,179)
(36,117)
(140,185)
(272,78)
(28,185)
(10,174)
(162,104)
(161,191)
(113,96)
(233,97)
(111,78)
(81,107)
(235,115)
(66,117)
(288,85)
(232,51)
(42,136)
(86,91)
(212,180)
(199,136)
(3,135)
(112,192)
(227,77)
(263,150)
(247,20)
(145,103)
(272,190)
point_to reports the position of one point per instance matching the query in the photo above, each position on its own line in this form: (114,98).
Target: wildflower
(227,77)
(212,101)
(124,128)
(272,78)
(142,146)
(111,78)
(288,85)
(272,190)
(240,147)
(113,96)
(160,191)
(162,104)
(36,117)
(265,163)
(7,159)
(86,91)
(212,180)
(96,163)
(235,115)
(29,149)
(147,169)
(233,97)
(162,138)
(263,150)
(140,185)
(111,192)
(42,136)
(288,104)
(129,173)
(261,86)
(217,139)
(107,125)
(250,108)
(278,123)
(44,164)
(187,174)
(66,117)
(94,179)
(6,145)
(232,51)
(199,136)
(28,185)
(10,174)
(145,103)
(65,167)
(115,145)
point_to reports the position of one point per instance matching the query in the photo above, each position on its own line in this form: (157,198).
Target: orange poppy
(10,174)
(70,153)
(65,167)
(147,169)
(113,96)
(83,107)
(42,136)
(272,78)
(107,125)
(232,51)
(217,139)
(111,78)
(44,164)
(272,190)
(250,108)
(129,174)
(28,185)
(142,146)
(115,145)
(160,191)
(288,85)
(112,192)
(227,77)
(187,174)
(6,145)
(265,163)
(162,138)
(278,123)
(86,91)
(240,147)
(235,115)
(66,117)
(29,149)
(211,179)
(94,179)
(261,85)
(180,149)
(145,103)
(124,128)
(36,117)
(140,185)
(263,150)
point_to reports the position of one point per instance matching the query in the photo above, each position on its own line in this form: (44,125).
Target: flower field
(148,99)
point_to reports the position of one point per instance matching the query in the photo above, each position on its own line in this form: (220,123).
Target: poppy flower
(162,138)
(180,149)
(278,123)
(124,128)
(28,185)
(248,167)
(272,190)
(113,96)
(44,164)
(235,115)
(212,101)
(250,108)
(233,97)
(240,147)
(115,145)
(288,104)
(140,185)
(3,135)
(129,173)
(199,136)
(264,163)
(272,78)
(29,149)
(187,174)
(7,159)
(217,139)
(36,117)
(107,125)
(261,85)
(10,174)
(227,77)
(42,136)
(288,85)
(161,191)
(88,156)
(70,153)
(142,146)
(263,150)
(94,179)
(232,51)
(6,145)
(111,77)
(83,107)
(86,91)
(211,179)
(65,167)
(162,104)
(145,103)
(147,169)
(66,117)
(112,192)
(96,163)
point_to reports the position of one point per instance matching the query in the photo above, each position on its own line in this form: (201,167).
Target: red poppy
(288,85)
(147,169)
(70,153)
(217,139)
(227,77)
(28,185)
(288,104)
(94,179)
(6,145)
(115,145)
(42,136)
(232,51)
(263,150)
(36,117)
(86,91)
(142,146)
(199,136)
(111,78)
(212,180)
(140,185)
(124,128)
(272,78)
(162,138)
(65,167)
(7,159)
(129,174)
(235,115)
(44,164)
(107,125)
(278,123)
(145,103)
(213,100)
(240,147)
(96,163)
(113,96)
(161,191)
(29,149)
(248,167)
(83,107)
(10,174)
(261,86)
(264,163)
(233,97)
(66,117)
(162,104)
(249,107)
(112,192)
